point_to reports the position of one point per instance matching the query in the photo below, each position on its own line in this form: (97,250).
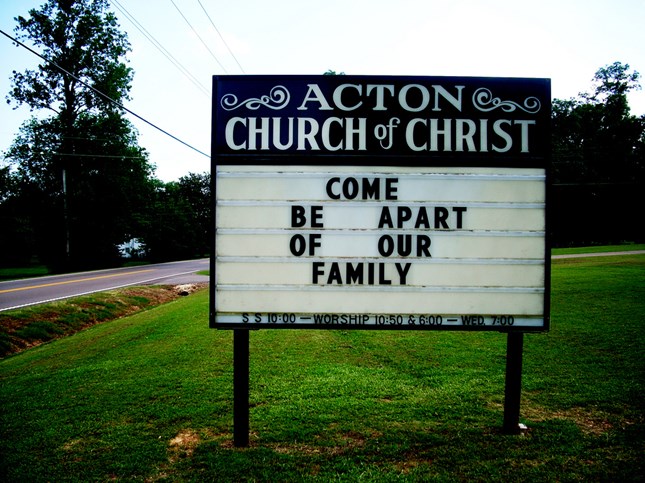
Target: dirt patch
(180,447)
(411,463)
(590,421)
(348,442)
(188,288)
(183,445)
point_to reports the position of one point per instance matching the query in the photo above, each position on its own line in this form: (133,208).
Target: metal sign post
(513,386)
(241,387)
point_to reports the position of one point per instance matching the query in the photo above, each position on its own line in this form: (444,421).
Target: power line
(103,95)
(161,48)
(221,37)
(199,37)
(75,155)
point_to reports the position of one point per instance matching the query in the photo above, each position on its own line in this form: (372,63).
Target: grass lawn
(23,272)
(149,397)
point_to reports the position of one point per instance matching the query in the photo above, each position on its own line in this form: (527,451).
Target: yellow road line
(78,280)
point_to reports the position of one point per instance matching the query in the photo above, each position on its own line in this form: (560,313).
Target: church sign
(358,202)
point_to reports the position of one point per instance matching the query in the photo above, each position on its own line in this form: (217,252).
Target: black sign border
(424,159)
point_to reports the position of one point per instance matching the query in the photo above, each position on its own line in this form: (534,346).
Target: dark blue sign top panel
(319,119)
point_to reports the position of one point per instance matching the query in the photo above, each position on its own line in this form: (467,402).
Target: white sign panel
(390,246)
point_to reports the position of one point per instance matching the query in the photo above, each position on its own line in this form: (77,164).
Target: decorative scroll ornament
(484,101)
(277,99)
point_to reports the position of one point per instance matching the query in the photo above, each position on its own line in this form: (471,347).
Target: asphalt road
(21,293)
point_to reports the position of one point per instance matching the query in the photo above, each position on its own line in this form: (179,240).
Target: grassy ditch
(149,397)
(24,328)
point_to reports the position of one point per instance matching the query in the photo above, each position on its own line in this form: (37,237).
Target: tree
(81,37)
(84,177)
(16,238)
(598,162)
(184,207)
(595,138)
(195,189)
(612,84)
(33,198)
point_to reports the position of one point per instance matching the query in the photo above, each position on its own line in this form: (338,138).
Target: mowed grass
(149,397)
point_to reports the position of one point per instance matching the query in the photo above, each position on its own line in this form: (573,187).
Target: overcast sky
(565,40)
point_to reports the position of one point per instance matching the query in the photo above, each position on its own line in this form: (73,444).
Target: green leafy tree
(16,237)
(595,138)
(598,162)
(612,83)
(81,37)
(195,189)
(184,209)
(32,206)
(166,234)
(80,171)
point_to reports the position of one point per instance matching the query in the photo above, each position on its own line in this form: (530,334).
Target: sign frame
(518,89)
